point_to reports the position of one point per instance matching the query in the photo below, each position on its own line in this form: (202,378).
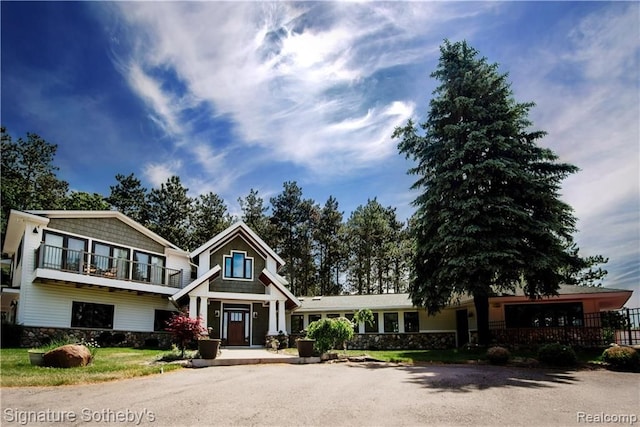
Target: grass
(453,355)
(109,364)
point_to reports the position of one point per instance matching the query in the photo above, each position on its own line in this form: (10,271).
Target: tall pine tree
(489,217)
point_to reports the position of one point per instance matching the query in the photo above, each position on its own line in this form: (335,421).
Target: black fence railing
(81,262)
(593,330)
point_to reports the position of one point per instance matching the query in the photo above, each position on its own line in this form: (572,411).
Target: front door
(462,327)
(236,328)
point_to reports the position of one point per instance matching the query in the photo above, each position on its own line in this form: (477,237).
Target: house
(99,274)
(80,271)
(238,292)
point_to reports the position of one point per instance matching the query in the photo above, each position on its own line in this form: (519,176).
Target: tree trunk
(481,302)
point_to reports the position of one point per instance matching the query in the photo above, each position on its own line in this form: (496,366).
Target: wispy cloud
(592,122)
(291,77)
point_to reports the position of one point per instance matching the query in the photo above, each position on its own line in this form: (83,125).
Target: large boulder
(68,356)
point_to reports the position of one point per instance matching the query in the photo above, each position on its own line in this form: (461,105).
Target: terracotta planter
(36,357)
(305,347)
(208,348)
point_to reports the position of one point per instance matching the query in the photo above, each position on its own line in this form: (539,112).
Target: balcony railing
(87,263)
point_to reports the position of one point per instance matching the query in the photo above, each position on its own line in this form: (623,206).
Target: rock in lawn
(67,356)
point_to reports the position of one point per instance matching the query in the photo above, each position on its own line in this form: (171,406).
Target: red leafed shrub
(185,329)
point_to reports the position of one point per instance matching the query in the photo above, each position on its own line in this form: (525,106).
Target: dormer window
(238,266)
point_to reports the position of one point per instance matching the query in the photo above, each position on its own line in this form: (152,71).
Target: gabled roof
(15,229)
(200,280)
(281,284)
(242,229)
(108,214)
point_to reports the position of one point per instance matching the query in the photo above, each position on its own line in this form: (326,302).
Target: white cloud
(592,122)
(285,74)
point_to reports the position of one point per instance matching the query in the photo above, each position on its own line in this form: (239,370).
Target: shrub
(185,329)
(623,358)
(498,355)
(330,333)
(557,355)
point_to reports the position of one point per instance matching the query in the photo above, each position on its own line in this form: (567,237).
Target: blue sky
(234,96)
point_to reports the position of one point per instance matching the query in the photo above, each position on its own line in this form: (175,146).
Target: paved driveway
(337,394)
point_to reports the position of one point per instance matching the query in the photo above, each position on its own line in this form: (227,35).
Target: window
(314,317)
(297,323)
(356,327)
(411,322)
(91,315)
(390,322)
(160,319)
(63,252)
(110,261)
(373,327)
(238,266)
(333,315)
(543,315)
(148,268)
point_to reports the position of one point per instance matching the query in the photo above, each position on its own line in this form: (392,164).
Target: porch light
(217,313)
(255,314)
(35,230)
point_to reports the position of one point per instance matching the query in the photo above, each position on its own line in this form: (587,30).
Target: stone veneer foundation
(406,341)
(35,337)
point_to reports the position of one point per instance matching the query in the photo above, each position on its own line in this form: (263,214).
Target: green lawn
(109,364)
(452,355)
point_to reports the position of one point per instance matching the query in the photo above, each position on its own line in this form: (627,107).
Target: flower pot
(36,357)
(208,348)
(305,347)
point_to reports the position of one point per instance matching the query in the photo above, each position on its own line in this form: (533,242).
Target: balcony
(90,264)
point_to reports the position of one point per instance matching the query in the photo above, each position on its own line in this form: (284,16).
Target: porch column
(272,318)
(204,310)
(193,307)
(282,325)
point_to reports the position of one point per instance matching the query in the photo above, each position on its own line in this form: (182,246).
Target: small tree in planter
(363,315)
(329,333)
(185,329)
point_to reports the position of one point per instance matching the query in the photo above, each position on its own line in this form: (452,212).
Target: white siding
(50,306)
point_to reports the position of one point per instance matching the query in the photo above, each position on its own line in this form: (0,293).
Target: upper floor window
(238,266)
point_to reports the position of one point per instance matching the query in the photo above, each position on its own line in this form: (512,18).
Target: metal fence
(595,330)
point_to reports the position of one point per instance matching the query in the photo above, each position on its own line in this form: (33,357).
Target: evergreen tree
(293,223)
(208,218)
(130,197)
(254,215)
(169,212)
(28,175)
(329,248)
(82,201)
(369,237)
(489,215)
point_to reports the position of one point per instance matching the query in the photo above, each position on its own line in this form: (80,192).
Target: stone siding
(36,337)
(407,341)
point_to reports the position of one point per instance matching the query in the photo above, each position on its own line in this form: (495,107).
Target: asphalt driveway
(337,394)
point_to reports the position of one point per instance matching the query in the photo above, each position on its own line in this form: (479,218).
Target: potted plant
(208,347)
(305,346)
(36,357)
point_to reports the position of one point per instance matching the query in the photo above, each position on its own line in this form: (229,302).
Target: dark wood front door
(236,327)
(462,326)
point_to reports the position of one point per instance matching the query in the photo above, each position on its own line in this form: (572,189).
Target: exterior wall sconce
(35,230)
(216,313)
(255,314)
